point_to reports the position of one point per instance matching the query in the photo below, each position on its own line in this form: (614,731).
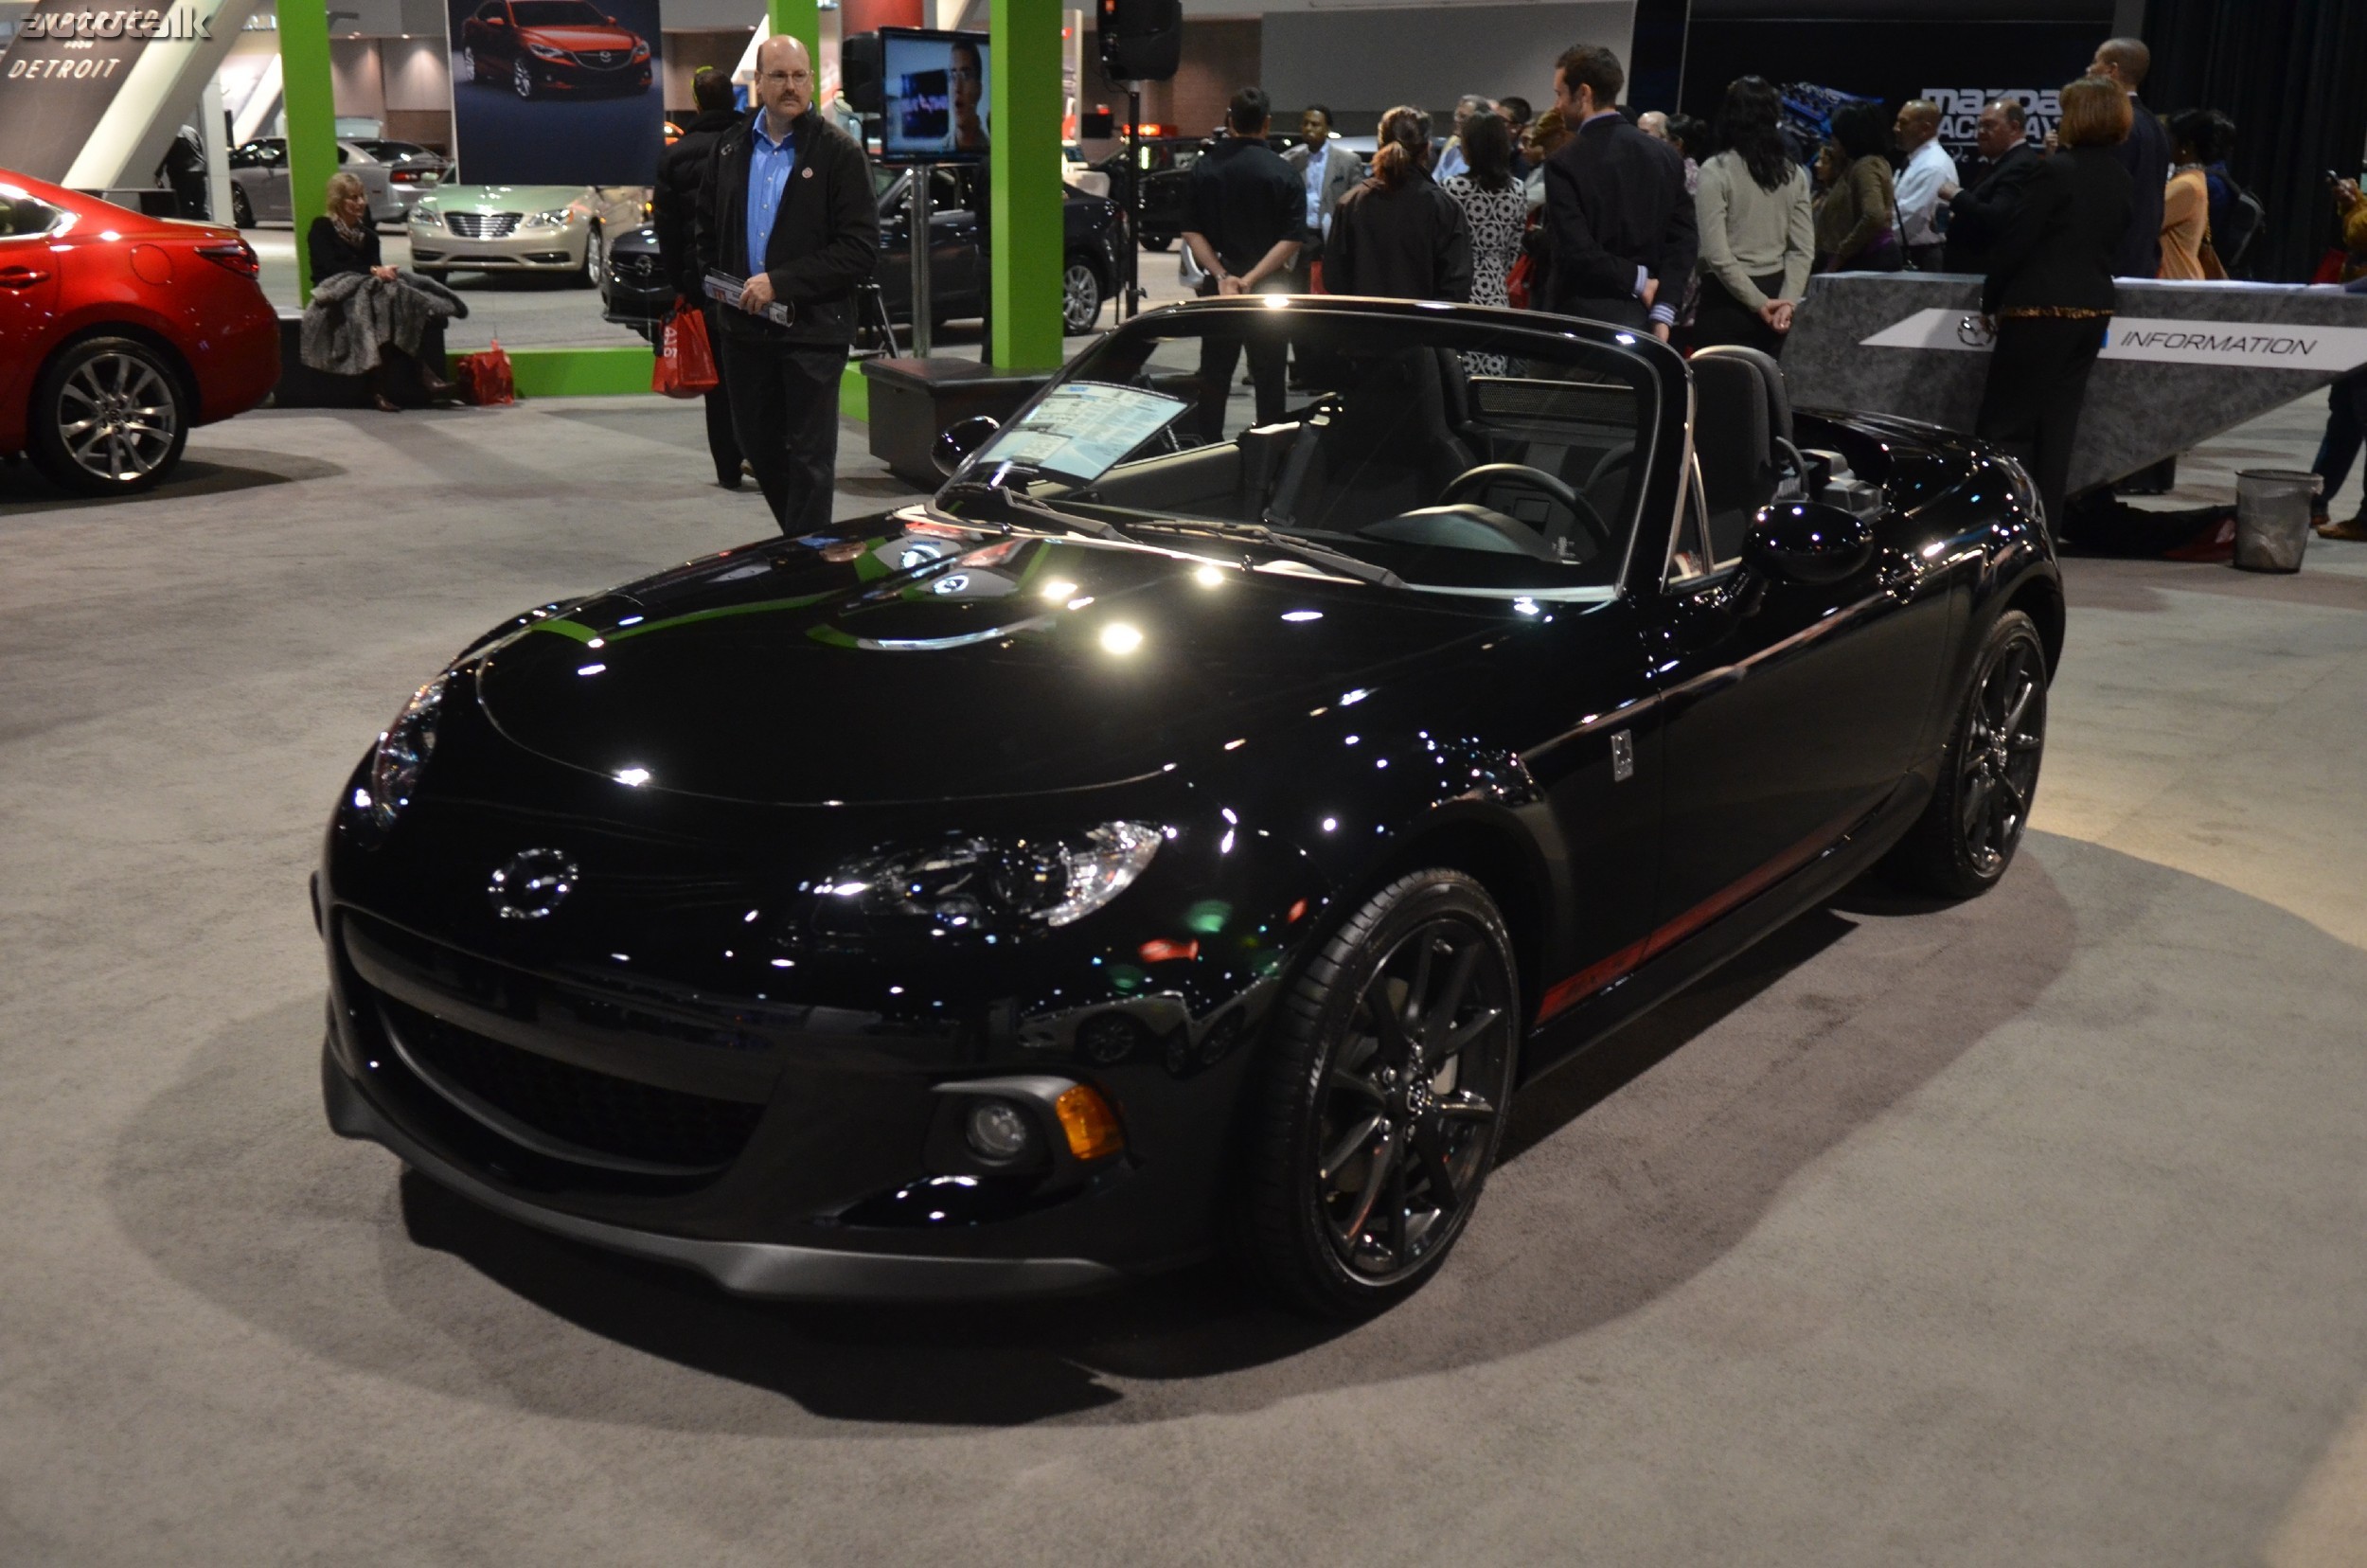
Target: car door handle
(21,277)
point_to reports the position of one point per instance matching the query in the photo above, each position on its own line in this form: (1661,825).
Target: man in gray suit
(1328,172)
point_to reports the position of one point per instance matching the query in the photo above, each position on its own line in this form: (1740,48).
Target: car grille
(592,1111)
(604,58)
(637,265)
(483,225)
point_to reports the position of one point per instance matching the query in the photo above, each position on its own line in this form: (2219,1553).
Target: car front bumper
(524,250)
(747,1267)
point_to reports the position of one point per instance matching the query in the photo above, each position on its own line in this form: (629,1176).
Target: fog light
(999,1131)
(1088,1123)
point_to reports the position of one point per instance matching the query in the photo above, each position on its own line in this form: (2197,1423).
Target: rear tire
(241,208)
(1388,1069)
(522,80)
(1080,296)
(1966,836)
(110,417)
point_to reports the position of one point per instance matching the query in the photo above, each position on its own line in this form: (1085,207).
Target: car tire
(588,277)
(1967,834)
(469,67)
(241,207)
(1081,296)
(522,80)
(1370,1129)
(102,381)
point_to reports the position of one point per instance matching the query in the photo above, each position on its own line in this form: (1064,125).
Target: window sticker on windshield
(1082,430)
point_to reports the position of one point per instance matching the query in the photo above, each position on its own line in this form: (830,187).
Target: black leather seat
(1741,433)
(1389,448)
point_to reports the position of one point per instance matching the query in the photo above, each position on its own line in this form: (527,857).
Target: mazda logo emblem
(533,884)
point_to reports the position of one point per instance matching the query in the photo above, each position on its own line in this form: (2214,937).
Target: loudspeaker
(860,69)
(1141,39)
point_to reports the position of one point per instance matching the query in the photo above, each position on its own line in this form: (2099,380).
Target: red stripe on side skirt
(1565,994)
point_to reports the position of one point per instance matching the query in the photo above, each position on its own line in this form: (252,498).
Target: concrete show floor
(2023,1231)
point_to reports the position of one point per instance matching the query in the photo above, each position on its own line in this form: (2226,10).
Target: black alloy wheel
(522,79)
(1989,774)
(241,207)
(1080,296)
(110,417)
(1389,1072)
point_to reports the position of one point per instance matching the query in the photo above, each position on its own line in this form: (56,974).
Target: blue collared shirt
(1318,161)
(769,165)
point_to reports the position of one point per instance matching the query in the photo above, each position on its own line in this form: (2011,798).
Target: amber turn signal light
(1088,1123)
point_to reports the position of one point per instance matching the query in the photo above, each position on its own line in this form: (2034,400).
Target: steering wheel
(1579,508)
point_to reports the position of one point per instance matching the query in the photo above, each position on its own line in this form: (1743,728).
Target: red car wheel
(110,417)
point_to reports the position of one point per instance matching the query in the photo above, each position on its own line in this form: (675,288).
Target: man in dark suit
(1624,240)
(790,206)
(675,203)
(2145,154)
(1977,213)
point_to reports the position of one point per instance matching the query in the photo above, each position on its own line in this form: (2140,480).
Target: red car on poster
(118,333)
(538,46)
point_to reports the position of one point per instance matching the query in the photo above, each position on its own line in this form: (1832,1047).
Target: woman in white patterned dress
(1497,208)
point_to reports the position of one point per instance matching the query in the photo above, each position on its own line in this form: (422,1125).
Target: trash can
(2272,518)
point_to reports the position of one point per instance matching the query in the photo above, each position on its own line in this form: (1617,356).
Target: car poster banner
(555,92)
(62,71)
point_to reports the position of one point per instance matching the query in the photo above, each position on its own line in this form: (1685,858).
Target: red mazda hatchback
(118,333)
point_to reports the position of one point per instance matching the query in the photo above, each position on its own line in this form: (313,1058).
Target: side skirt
(1585,1009)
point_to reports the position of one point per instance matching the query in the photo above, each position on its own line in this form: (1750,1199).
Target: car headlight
(402,753)
(989,884)
(546,51)
(547,220)
(425,213)
(640,53)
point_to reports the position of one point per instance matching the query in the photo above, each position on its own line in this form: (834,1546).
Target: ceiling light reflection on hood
(1118,638)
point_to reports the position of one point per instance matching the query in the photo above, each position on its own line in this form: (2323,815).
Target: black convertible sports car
(1186,828)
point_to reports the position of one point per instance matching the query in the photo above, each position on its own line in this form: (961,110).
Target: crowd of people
(1707,232)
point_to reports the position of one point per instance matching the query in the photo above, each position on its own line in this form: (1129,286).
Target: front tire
(1384,1094)
(1080,296)
(109,417)
(522,80)
(589,276)
(1966,836)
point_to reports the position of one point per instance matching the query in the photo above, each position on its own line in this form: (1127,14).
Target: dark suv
(552,46)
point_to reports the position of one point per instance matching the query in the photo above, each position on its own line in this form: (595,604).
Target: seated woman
(365,317)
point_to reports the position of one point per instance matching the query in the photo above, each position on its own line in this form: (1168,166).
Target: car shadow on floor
(1626,1175)
(25,489)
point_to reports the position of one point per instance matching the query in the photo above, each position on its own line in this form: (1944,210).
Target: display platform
(2184,361)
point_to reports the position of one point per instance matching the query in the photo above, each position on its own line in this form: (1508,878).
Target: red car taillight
(237,255)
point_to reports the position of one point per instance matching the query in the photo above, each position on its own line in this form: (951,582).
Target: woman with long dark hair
(1758,233)
(1494,206)
(1397,235)
(1857,227)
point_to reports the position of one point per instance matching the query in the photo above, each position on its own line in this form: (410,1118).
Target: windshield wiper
(1293,544)
(1014,500)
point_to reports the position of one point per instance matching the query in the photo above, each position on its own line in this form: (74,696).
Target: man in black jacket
(1977,213)
(1246,222)
(1624,240)
(2145,154)
(790,208)
(675,203)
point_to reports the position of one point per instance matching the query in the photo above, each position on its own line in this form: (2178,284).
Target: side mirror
(959,440)
(1807,542)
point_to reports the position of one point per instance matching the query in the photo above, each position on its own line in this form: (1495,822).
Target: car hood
(580,38)
(921,667)
(504,198)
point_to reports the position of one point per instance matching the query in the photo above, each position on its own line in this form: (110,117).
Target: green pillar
(799,19)
(311,101)
(1024,110)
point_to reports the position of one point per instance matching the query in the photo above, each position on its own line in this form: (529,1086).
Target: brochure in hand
(723,286)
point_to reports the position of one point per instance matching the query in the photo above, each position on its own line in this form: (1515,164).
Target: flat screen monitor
(933,88)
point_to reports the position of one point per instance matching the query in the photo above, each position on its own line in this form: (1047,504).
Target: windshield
(1451,449)
(556,14)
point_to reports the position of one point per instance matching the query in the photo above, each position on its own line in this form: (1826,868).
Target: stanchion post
(916,216)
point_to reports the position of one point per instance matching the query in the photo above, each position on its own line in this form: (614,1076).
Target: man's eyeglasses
(777,78)
(963,73)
